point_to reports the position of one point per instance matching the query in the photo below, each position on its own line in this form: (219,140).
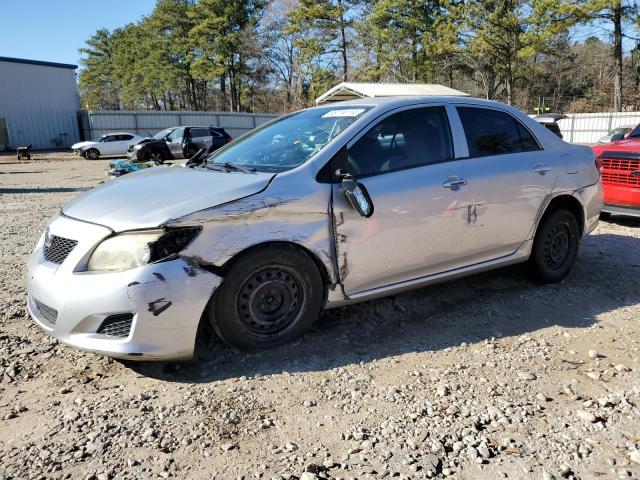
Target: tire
(269,297)
(555,247)
(92,154)
(155,157)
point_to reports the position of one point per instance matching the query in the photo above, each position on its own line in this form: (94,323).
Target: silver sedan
(320,208)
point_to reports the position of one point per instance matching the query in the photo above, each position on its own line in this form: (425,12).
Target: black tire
(155,157)
(269,297)
(555,247)
(92,154)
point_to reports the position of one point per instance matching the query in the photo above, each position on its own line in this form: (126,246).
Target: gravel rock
(434,383)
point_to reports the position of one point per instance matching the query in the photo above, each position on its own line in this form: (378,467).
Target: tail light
(599,164)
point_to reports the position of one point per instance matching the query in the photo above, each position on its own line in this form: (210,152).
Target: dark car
(550,121)
(178,142)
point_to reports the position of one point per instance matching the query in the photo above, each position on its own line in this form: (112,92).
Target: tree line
(279,55)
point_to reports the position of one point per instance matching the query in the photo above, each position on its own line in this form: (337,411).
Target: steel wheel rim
(269,300)
(557,246)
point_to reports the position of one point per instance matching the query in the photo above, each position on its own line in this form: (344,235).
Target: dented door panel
(417,228)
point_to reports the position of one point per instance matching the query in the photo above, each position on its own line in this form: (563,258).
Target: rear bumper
(625,196)
(591,199)
(622,210)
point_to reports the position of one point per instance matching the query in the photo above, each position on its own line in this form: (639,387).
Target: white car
(109,145)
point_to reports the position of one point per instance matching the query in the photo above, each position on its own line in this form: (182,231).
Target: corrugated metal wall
(40,104)
(97,123)
(587,128)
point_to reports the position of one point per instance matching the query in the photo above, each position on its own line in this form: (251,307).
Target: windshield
(288,142)
(162,134)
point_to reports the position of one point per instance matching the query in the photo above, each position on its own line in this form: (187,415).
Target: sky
(54,30)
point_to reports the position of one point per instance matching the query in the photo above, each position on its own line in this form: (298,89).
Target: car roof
(400,101)
(119,133)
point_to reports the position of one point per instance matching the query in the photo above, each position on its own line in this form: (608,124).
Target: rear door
(199,137)
(508,178)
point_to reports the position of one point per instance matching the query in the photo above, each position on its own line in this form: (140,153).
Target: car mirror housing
(358,196)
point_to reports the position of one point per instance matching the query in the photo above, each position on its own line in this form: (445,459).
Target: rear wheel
(269,297)
(92,154)
(555,247)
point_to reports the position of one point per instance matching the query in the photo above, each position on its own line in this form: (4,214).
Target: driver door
(175,143)
(406,162)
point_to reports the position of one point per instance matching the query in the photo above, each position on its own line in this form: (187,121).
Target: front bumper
(166,300)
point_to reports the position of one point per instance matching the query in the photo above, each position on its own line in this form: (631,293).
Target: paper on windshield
(345,112)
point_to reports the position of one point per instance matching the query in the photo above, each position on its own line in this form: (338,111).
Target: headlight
(134,249)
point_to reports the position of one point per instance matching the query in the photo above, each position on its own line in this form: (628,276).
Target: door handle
(455,182)
(541,169)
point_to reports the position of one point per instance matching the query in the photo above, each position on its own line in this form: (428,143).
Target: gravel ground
(485,377)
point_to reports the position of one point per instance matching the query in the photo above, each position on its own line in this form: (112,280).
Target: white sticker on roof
(345,112)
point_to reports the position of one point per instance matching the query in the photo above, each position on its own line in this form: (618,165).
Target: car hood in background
(75,146)
(627,145)
(151,197)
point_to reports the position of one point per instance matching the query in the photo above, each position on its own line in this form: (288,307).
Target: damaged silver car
(317,209)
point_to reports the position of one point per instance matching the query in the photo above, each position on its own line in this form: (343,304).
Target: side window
(109,138)
(176,135)
(491,132)
(404,140)
(125,137)
(199,132)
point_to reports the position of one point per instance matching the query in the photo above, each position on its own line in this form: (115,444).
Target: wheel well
(566,202)
(326,280)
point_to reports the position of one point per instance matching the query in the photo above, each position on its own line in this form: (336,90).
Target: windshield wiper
(228,166)
(239,168)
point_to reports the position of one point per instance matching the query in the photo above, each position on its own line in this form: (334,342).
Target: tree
(329,25)
(98,84)
(220,32)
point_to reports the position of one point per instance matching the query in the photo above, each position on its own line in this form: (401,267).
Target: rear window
(491,132)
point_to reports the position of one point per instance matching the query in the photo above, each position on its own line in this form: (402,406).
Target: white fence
(99,122)
(584,128)
(587,128)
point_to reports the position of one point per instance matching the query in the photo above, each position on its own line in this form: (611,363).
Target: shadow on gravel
(496,304)
(44,190)
(631,222)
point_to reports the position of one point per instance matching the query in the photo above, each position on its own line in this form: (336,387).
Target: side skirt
(519,256)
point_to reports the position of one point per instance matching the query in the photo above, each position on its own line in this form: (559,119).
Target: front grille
(620,171)
(49,314)
(116,325)
(58,249)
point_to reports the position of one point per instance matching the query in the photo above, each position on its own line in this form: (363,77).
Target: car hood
(151,197)
(81,144)
(626,145)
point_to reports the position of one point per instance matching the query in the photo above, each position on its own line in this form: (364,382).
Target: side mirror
(617,136)
(358,196)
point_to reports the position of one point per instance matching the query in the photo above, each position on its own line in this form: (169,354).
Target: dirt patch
(485,377)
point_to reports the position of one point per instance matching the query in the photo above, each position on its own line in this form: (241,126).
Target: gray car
(320,208)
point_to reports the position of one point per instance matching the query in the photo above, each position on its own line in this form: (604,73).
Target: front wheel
(92,154)
(269,297)
(555,247)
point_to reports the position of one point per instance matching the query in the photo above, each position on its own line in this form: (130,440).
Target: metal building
(353,90)
(39,104)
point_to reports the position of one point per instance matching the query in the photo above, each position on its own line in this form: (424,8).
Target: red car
(619,164)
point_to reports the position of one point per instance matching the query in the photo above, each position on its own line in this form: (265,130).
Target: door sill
(519,256)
